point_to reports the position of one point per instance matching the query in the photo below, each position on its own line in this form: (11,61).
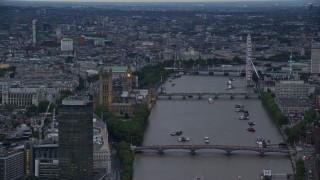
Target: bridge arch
(229,149)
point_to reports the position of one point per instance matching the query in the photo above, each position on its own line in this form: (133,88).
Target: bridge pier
(261,153)
(231,96)
(160,151)
(170,97)
(246,96)
(226,73)
(199,97)
(226,148)
(193,152)
(211,73)
(183,97)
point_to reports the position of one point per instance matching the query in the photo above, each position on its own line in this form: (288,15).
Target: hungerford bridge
(229,149)
(215,95)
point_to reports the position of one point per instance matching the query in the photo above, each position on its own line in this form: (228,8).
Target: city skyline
(155,1)
(142,90)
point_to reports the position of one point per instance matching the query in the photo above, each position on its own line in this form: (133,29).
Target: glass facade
(75,150)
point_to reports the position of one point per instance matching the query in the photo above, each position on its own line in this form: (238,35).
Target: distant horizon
(153,1)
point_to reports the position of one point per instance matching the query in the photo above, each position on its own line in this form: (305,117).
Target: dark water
(219,121)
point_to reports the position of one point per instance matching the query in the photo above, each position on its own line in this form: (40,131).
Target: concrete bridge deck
(215,95)
(227,148)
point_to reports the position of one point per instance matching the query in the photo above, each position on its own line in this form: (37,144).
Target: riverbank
(265,98)
(292,156)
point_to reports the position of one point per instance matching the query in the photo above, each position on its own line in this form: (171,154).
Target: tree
(64,94)
(93,78)
(69,60)
(9,107)
(255,77)
(237,60)
(126,159)
(42,106)
(300,167)
(32,110)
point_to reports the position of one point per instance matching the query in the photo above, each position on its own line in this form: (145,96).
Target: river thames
(219,121)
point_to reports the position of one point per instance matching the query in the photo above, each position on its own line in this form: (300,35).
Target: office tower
(41,158)
(315,59)
(58,32)
(75,152)
(66,44)
(34,32)
(11,164)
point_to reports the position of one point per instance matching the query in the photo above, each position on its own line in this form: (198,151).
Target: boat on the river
(206,140)
(230,87)
(238,106)
(173,84)
(244,118)
(176,133)
(262,142)
(251,129)
(183,139)
(210,100)
(251,123)
(240,110)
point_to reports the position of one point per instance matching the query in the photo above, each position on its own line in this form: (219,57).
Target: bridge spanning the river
(229,149)
(214,95)
(210,70)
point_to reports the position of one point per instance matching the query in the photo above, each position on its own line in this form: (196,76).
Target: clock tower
(128,80)
(105,89)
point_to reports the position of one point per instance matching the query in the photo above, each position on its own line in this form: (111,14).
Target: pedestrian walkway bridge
(229,149)
(215,95)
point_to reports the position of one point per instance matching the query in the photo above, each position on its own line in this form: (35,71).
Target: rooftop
(76,100)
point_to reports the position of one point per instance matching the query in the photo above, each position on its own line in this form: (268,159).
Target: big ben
(128,80)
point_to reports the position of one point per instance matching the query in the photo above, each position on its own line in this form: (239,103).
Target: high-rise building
(66,44)
(75,152)
(35,154)
(34,32)
(58,32)
(11,164)
(315,59)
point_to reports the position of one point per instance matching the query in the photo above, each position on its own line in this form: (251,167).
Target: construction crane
(39,127)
